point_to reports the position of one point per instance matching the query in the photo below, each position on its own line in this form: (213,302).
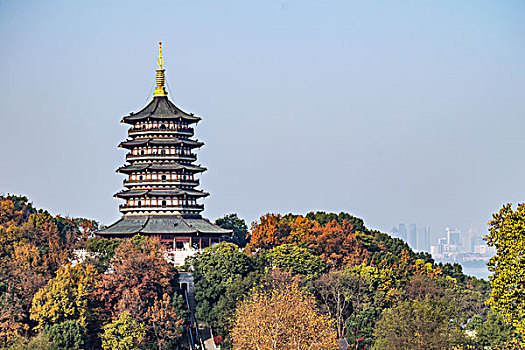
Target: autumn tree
(507,235)
(139,269)
(164,326)
(284,318)
(269,232)
(24,274)
(336,244)
(65,297)
(142,285)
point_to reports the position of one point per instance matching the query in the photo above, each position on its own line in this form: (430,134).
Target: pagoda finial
(160,90)
(160,61)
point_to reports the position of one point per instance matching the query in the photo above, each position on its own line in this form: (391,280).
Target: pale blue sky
(394,111)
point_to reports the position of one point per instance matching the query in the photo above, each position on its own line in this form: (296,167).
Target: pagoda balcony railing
(181,208)
(184,131)
(161,182)
(186,157)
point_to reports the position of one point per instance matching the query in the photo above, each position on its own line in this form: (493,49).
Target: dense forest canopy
(358,284)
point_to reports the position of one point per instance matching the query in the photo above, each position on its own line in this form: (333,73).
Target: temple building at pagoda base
(182,236)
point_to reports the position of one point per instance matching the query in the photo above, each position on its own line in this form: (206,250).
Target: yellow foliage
(65,297)
(283,318)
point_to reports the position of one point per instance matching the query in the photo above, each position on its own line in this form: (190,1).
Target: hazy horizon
(393,111)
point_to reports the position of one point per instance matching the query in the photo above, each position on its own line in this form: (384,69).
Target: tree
(124,333)
(65,297)
(164,326)
(142,286)
(324,218)
(240,230)
(102,250)
(269,232)
(492,331)
(140,273)
(427,324)
(222,274)
(342,293)
(284,318)
(298,260)
(336,244)
(68,335)
(507,235)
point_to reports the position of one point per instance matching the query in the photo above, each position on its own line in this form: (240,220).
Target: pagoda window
(162,127)
(140,203)
(164,204)
(163,177)
(163,151)
(141,177)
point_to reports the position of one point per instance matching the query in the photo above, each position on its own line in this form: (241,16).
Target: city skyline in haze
(393,112)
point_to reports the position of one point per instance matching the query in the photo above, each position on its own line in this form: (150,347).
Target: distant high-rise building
(403,232)
(453,236)
(412,236)
(423,239)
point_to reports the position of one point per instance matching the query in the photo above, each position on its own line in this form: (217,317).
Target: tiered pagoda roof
(161,189)
(161,109)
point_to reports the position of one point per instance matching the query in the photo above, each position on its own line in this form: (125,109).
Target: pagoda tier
(160,189)
(161,167)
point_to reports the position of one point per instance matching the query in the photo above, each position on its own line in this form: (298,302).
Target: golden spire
(160,90)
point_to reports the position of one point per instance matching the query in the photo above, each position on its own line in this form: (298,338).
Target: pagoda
(160,189)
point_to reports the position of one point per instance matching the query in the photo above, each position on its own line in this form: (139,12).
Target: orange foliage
(336,244)
(269,233)
(300,229)
(140,275)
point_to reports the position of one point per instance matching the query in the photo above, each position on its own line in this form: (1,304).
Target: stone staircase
(202,339)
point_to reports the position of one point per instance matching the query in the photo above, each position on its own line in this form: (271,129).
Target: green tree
(102,251)
(222,274)
(238,225)
(427,324)
(492,331)
(124,333)
(507,235)
(39,342)
(298,260)
(68,335)
(324,218)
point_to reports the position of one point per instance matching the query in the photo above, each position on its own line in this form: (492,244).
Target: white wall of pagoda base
(178,256)
(173,256)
